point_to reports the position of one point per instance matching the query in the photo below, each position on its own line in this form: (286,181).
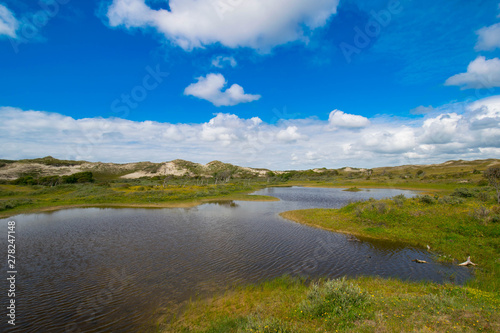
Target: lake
(103,270)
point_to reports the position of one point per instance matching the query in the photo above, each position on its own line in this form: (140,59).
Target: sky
(278,84)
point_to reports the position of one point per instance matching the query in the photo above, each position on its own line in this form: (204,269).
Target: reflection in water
(102,270)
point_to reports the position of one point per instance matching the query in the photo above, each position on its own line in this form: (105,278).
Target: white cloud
(489,38)
(258,24)
(461,131)
(210,88)
(442,129)
(8,23)
(481,73)
(339,119)
(290,134)
(388,141)
(221,61)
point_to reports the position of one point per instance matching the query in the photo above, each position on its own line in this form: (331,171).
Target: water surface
(102,270)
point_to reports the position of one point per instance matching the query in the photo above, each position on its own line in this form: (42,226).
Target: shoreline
(178,204)
(246,196)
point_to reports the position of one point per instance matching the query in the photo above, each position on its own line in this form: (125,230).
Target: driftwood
(418,261)
(467,263)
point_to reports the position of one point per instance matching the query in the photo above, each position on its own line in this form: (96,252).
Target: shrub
(338,300)
(49,180)
(450,200)
(381,207)
(9,204)
(399,200)
(483,196)
(358,211)
(79,177)
(24,180)
(426,199)
(463,192)
(483,182)
(481,213)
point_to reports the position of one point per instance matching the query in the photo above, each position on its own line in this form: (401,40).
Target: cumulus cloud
(488,38)
(210,88)
(339,119)
(465,131)
(441,129)
(8,23)
(481,73)
(221,61)
(290,134)
(258,24)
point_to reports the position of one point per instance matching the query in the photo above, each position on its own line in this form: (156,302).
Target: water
(102,270)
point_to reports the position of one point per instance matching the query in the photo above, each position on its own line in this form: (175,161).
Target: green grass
(367,304)
(26,199)
(452,226)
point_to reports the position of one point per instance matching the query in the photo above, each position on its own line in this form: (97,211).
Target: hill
(49,166)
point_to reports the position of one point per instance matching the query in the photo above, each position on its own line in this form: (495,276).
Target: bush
(483,182)
(463,192)
(426,199)
(484,196)
(481,213)
(25,180)
(49,180)
(451,200)
(9,204)
(381,207)
(338,300)
(399,200)
(80,177)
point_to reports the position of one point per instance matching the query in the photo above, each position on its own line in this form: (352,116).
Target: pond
(103,270)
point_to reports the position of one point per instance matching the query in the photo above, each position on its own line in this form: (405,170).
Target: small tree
(493,176)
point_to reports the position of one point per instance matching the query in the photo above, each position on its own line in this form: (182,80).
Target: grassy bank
(15,199)
(466,223)
(367,304)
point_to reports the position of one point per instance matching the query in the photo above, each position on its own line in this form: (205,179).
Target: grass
(26,199)
(353,189)
(367,304)
(452,226)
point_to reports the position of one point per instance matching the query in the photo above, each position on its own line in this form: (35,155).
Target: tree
(493,176)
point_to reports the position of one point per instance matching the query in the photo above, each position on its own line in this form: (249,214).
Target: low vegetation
(457,215)
(366,304)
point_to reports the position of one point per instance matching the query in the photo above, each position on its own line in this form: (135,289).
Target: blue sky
(279,84)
